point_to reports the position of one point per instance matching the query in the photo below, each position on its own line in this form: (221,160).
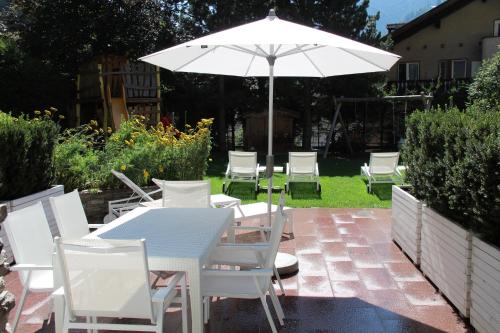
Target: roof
(432,17)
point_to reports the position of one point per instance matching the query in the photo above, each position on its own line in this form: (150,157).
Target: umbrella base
(286,263)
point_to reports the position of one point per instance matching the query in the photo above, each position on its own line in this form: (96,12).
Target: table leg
(196,300)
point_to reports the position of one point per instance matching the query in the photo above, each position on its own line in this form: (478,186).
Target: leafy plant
(485,89)
(84,161)
(26,147)
(453,160)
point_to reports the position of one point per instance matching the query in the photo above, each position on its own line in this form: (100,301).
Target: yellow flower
(123,167)
(110,130)
(53,109)
(93,123)
(145,173)
(161,168)
(47,113)
(61,117)
(37,112)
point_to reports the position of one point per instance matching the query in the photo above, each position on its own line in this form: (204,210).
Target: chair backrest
(383,163)
(302,162)
(184,194)
(108,278)
(69,214)
(29,236)
(133,186)
(242,162)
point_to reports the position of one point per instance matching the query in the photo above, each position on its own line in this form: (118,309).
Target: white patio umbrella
(273,47)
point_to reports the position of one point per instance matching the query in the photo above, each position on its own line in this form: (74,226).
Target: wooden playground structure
(111,89)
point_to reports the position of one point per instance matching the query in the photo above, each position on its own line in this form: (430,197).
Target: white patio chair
(184,194)
(302,167)
(70,216)
(119,207)
(29,235)
(110,278)
(248,284)
(250,255)
(382,169)
(242,167)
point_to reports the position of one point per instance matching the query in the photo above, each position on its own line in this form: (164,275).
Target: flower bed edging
(29,200)
(485,288)
(446,257)
(407,222)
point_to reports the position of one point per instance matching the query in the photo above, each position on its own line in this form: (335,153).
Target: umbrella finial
(272,14)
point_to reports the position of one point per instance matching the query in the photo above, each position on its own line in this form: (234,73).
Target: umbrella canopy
(273,47)
(299,51)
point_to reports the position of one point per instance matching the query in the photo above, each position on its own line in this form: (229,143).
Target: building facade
(446,43)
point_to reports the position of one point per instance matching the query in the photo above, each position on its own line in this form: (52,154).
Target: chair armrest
(164,293)
(227,171)
(30,267)
(260,247)
(287,171)
(96,225)
(316,170)
(257,171)
(366,169)
(230,272)
(242,227)
(155,191)
(124,200)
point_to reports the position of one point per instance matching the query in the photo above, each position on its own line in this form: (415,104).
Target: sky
(398,11)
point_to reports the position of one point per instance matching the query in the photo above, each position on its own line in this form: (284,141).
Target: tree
(67,33)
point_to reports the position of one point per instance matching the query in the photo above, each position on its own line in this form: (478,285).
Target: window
(496,28)
(409,71)
(458,69)
(474,67)
(453,69)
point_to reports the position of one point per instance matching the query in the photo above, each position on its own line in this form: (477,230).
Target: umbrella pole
(269,157)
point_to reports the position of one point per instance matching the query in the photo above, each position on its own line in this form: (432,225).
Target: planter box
(446,257)
(406,222)
(485,289)
(29,200)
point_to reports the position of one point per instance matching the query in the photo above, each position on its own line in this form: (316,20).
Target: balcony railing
(427,86)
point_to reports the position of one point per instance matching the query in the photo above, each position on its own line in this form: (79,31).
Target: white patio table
(177,239)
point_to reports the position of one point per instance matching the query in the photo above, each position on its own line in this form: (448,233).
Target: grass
(341,185)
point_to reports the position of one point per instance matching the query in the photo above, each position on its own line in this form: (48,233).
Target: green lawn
(341,185)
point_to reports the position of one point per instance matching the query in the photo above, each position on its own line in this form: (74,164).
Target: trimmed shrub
(453,160)
(26,147)
(485,89)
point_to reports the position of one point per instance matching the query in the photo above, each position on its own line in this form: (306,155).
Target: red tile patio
(352,278)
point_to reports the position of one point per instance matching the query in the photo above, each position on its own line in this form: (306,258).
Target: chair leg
(206,310)
(268,313)
(278,278)
(277,305)
(184,305)
(19,308)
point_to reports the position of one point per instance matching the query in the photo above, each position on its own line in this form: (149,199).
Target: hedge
(26,150)
(453,160)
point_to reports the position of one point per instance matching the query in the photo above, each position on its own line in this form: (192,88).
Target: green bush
(485,89)
(453,160)
(26,147)
(84,161)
